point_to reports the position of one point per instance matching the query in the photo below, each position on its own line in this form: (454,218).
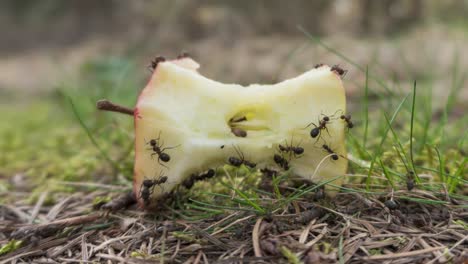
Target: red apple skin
(185,62)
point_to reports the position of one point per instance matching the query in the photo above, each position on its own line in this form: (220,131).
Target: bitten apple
(186,123)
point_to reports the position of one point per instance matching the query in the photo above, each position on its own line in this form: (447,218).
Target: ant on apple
(346,118)
(183,55)
(189,182)
(338,70)
(238,132)
(157,148)
(148,187)
(281,161)
(318,65)
(238,161)
(295,150)
(334,156)
(322,124)
(154,63)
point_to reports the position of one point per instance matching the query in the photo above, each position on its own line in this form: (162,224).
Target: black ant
(236,162)
(318,65)
(158,149)
(337,69)
(317,129)
(281,161)
(330,151)
(296,150)
(347,119)
(189,182)
(155,62)
(238,132)
(183,55)
(148,187)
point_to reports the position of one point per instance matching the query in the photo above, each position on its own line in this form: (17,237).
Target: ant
(281,161)
(318,65)
(159,150)
(148,187)
(155,62)
(347,119)
(337,69)
(295,150)
(236,162)
(238,132)
(317,129)
(183,55)
(189,182)
(330,151)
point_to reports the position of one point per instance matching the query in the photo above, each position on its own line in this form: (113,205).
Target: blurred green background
(55,51)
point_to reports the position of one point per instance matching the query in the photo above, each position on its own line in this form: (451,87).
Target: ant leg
(162,150)
(312,123)
(327,131)
(336,112)
(239,152)
(159,161)
(159,136)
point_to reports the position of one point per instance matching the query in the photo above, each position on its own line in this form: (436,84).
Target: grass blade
(384,137)
(90,135)
(411,131)
(366,107)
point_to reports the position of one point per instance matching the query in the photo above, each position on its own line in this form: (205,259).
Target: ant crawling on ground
(337,69)
(294,150)
(237,161)
(334,156)
(154,63)
(148,187)
(189,182)
(157,148)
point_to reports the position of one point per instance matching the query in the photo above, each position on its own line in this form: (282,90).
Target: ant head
(326,118)
(335,157)
(153,142)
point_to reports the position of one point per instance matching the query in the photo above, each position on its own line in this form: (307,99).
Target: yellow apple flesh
(192,116)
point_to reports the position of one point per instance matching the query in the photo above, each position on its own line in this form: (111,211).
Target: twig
(402,255)
(37,207)
(107,105)
(25,254)
(256,239)
(54,226)
(209,237)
